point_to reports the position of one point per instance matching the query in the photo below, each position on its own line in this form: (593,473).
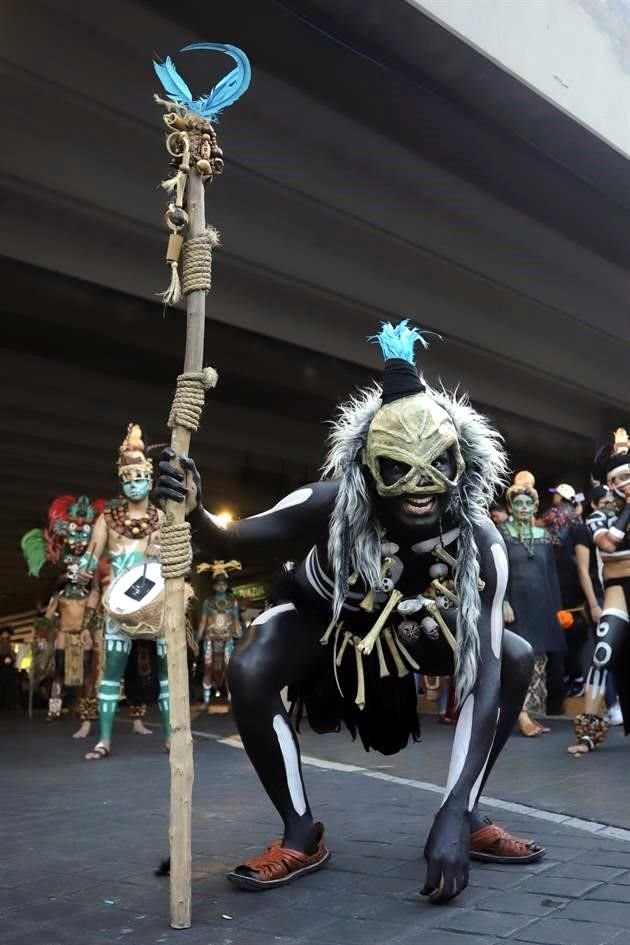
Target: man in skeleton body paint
(401,513)
(610,528)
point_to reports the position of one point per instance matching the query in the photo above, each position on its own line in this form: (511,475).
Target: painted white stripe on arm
(294,498)
(496,616)
(272,612)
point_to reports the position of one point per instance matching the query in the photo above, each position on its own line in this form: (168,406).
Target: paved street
(80,842)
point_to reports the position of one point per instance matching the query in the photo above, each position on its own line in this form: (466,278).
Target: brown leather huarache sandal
(279,865)
(492,844)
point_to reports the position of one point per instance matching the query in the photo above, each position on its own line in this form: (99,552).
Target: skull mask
(414,432)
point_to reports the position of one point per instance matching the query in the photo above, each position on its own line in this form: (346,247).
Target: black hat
(400,379)
(400,375)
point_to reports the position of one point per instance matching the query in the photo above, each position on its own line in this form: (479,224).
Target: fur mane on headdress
(355,540)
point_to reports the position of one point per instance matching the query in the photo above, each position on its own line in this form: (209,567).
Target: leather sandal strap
(277,862)
(494,839)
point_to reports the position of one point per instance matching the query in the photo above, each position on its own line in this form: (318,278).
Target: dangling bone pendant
(370,598)
(442,555)
(367,643)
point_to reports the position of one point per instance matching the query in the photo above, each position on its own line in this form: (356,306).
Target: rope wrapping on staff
(197,261)
(189,398)
(175,550)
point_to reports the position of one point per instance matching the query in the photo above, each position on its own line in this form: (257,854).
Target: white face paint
(461,744)
(496,615)
(291,764)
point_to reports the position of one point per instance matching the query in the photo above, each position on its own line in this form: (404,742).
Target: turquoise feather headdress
(399,341)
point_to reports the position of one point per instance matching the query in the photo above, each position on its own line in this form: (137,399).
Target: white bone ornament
(430,628)
(411,605)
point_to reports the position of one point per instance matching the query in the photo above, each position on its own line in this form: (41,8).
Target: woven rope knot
(175,550)
(197,261)
(189,398)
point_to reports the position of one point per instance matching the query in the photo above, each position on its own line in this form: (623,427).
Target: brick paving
(81,841)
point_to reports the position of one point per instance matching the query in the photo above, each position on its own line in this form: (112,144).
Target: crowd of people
(556,590)
(554,600)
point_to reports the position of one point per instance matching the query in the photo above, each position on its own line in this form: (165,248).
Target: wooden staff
(192,143)
(181,753)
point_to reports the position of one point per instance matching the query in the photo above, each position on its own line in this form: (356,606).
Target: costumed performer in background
(220,626)
(610,528)
(72,612)
(410,475)
(128,532)
(533,597)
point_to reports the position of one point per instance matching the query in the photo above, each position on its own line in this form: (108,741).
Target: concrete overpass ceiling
(351,194)
(475,117)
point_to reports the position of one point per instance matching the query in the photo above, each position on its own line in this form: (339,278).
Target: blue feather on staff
(221,96)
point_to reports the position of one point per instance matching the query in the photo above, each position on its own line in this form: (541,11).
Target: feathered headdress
(40,545)
(355,536)
(219,568)
(131,453)
(33,545)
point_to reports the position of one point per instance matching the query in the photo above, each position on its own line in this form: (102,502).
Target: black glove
(171,481)
(447,853)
